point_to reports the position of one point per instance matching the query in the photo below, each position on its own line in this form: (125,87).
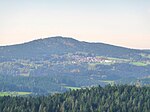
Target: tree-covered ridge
(50,65)
(120,98)
(62,45)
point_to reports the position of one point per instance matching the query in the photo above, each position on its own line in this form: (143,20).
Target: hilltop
(61,45)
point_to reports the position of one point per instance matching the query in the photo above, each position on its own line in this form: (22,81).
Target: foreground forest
(117,98)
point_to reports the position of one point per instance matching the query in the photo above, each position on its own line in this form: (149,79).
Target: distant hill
(61,45)
(56,64)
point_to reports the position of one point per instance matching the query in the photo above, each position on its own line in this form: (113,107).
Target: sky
(118,22)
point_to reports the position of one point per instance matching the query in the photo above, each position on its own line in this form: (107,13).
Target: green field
(25,75)
(145,55)
(119,59)
(111,82)
(14,93)
(72,88)
(139,63)
(92,66)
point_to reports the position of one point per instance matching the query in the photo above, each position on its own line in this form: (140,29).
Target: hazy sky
(118,22)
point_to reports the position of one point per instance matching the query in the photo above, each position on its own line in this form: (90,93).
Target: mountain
(60,45)
(55,64)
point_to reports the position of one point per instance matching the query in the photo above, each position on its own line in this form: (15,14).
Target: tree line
(117,98)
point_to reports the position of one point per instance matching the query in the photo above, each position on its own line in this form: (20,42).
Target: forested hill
(42,48)
(55,64)
(121,98)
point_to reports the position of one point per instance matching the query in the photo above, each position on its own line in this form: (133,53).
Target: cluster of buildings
(82,59)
